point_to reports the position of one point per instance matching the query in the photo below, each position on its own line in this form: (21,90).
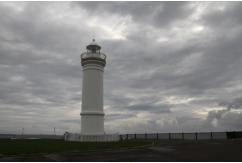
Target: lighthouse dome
(93,54)
(93,46)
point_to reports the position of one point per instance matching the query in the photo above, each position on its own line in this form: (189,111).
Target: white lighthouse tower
(92,115)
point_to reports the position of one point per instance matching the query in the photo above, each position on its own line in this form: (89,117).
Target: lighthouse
(92,114)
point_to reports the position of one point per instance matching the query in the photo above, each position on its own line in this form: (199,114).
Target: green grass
(28,146)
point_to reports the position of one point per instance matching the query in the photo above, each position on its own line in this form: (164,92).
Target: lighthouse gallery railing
(96,55)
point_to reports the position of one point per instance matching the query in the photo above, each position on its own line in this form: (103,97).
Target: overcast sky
(171,66)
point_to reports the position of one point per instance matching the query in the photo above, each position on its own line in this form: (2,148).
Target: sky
(171,66)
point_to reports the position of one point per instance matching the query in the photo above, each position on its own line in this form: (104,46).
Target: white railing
(96,55)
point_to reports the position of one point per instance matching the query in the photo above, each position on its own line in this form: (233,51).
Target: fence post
(135,136)
(145,136)
(127,136)
(182,136)
(157,136)
(169,136)
(211,134)
(196,135)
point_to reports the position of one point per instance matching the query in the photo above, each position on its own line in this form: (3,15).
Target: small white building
(92,114)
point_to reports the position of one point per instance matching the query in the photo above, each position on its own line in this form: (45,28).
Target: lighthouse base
(91,138)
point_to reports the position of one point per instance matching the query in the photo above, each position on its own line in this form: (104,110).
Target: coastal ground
(163,150)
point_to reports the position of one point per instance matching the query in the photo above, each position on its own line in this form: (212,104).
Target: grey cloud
(222,116)
(150,108)
(229,16)
(71,121)
(235,104)
(111,117)
(220,65)
(163,13)
(224,119)
(231,121)
(40,71)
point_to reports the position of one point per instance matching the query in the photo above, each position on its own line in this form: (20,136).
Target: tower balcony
(90,56)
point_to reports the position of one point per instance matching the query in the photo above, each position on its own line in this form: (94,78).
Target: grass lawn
(27,146)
